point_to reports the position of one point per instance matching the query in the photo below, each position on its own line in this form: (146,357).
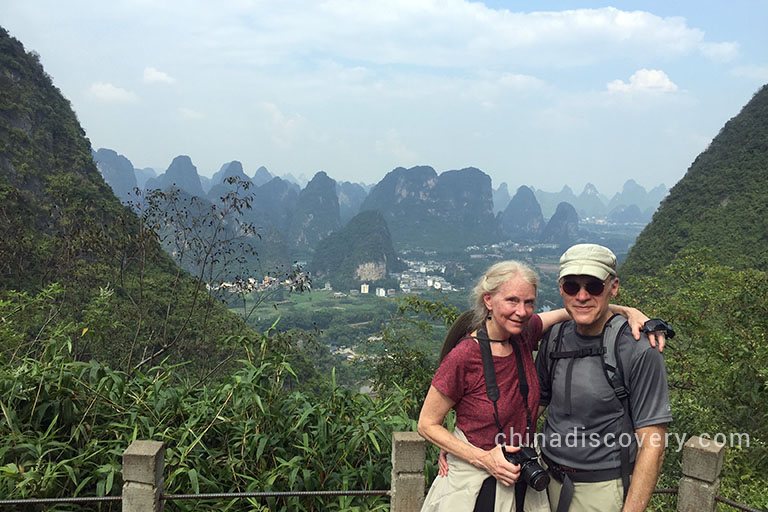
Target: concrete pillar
(408,459)
(702,463)
(143,465)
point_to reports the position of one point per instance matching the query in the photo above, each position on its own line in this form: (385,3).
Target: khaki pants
(605,496)
(459,490)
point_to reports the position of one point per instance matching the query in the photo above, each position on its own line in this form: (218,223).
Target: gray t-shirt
(587,434)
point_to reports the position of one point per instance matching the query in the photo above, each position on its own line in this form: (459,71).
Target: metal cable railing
(720,499)
(51,501)
(287,494)
(208,496)
(738,506)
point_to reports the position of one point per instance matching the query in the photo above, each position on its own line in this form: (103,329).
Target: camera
(530,470)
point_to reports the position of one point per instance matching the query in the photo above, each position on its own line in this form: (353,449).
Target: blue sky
(544,94)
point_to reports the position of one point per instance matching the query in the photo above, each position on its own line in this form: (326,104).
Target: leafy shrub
(65,424)
(717,365)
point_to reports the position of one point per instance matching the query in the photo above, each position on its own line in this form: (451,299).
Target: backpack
(613,330)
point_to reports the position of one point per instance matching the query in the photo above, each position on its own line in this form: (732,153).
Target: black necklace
(482,333)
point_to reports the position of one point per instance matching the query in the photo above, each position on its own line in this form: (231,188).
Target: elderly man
(605,394)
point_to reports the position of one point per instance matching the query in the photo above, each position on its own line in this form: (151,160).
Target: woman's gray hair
(494,277)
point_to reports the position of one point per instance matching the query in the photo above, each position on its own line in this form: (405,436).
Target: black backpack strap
(555,339)
(614,329)
(571,355)
(626,467)
(522,381)
(486,498)
(566,494)
(614,372)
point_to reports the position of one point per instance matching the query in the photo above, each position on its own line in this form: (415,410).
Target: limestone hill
(360,252)
(721,203)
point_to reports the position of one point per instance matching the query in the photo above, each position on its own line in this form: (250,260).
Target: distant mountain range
(420,208)
(591,203)
(633,204)
(720,203)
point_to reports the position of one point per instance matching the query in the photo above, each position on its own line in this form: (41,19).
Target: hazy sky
(536,93)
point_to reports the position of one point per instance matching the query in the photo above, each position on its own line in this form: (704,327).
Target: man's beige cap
(588,260)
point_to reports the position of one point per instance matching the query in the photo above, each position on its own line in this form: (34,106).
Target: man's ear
(614,287)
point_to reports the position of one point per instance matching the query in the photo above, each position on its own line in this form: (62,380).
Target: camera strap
(489,371)
(492,390)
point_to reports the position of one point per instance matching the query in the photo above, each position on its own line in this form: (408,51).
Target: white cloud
(520,82)
(491,91)
(188,113)
(644,80)
(391,145)
(152,75)
(720,52)
(757,73)
(282,128)
(109,93)
(432,33)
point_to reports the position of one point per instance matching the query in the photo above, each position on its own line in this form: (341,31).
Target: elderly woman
(478,476)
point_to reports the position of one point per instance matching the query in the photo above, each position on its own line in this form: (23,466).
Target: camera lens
(530,471)
(536,477)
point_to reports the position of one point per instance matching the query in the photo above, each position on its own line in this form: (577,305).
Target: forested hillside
(721,203)
(360,252)
(63,226)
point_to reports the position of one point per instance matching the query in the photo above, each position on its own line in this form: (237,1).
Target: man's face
(586,299)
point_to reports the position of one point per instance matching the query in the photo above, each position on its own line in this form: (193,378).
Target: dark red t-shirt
(460,377)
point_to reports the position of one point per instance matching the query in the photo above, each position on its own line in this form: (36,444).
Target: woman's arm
(552,317)
(433,412)
(635,317)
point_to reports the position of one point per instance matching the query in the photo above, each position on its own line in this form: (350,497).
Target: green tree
(718,363)
(406,358)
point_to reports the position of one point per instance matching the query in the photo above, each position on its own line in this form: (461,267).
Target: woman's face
(511,306)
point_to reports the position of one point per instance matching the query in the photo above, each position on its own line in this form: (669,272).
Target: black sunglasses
(593,287)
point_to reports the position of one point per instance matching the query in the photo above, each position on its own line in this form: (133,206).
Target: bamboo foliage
(65,424)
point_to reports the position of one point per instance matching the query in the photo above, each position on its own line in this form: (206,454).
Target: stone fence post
(408,459)
(143,465)
(702,463)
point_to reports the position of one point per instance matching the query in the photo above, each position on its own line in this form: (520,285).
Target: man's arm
(650,455)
